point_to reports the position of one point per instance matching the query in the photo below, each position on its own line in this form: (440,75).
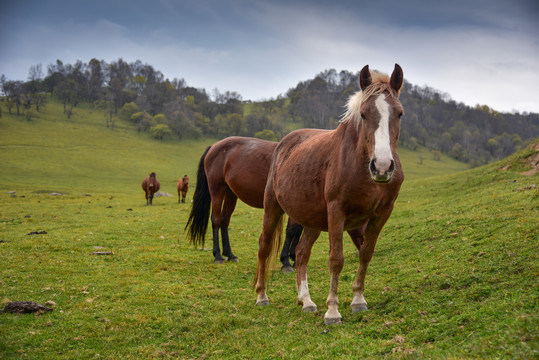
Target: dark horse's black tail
(200,211)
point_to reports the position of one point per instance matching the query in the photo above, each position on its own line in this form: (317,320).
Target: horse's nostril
(373,166)
(391,166)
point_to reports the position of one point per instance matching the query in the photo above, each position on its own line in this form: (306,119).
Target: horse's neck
(352,161)
(349,137)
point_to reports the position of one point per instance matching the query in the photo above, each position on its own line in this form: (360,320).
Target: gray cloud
(477,51)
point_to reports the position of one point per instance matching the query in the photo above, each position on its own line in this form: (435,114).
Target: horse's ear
(365,77)
(397,78)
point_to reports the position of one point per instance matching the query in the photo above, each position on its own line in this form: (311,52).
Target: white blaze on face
(382,150)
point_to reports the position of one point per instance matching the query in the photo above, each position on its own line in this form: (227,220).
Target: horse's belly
(311,213)
(250,192)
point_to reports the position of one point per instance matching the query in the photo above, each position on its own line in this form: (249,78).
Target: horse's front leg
(365,240)
(336,263)
(358,302)
(302,258)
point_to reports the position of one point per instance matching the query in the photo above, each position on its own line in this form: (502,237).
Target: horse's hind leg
(272,218)
(228,209)
(293,233)
(302,258)
(218,259)
(287,267)
(295,241)
(216,219)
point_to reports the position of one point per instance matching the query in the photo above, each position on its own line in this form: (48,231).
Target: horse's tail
(200,211)
(274,248)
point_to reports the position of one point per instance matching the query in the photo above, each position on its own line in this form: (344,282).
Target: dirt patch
(24,307)
(37,233)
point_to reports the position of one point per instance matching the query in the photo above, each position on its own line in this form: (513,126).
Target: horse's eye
(363,116)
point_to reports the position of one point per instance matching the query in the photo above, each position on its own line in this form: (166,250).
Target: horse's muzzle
(382,172)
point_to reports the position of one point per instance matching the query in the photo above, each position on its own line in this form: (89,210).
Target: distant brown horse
(150,185)
(357,172)
(182,186)
(236,167)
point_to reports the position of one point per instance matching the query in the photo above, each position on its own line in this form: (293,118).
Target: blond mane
(380,84)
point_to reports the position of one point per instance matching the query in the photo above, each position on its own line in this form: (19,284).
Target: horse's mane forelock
(380,84)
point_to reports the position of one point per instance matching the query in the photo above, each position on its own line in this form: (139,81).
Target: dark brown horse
(150,185)
(182,185)
(236,167)
(357,171)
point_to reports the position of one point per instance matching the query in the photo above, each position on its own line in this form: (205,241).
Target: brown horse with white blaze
(182,185)
(150,185)
(357,170)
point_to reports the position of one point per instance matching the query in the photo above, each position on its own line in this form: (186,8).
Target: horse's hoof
(232,259)
(287,269)
(358,307)
(262,303)
(332,317)
(309,308)
(219,261)
(332,321)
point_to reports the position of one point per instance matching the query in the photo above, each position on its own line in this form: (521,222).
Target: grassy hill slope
(81,153)
(454,274)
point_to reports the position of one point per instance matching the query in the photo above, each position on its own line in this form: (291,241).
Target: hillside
(454,274)
(163,108)
(81,152)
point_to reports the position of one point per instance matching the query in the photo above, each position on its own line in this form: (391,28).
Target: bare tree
(35,73)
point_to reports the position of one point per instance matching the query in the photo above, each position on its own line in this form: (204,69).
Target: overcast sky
(477,51)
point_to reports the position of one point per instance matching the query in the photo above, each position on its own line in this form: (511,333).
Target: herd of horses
(346,179)
(151,186)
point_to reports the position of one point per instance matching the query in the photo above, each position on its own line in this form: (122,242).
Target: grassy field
(454,274)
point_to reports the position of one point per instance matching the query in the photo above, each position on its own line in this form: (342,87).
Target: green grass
(454,274)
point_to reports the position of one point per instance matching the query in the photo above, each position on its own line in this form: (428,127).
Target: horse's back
(304,146)
(242,164)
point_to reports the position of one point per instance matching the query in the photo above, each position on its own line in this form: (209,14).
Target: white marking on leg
(305,298)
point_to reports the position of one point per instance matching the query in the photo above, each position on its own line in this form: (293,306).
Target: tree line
(138,93)
(475,135)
